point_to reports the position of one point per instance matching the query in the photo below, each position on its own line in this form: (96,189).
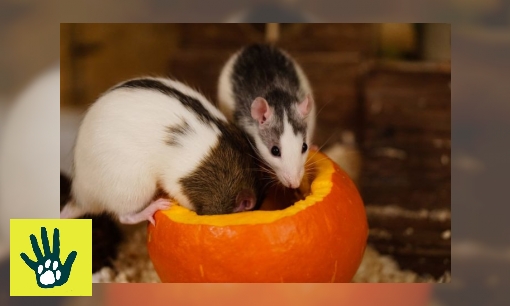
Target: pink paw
(147,213)
(159,204)
(314,147)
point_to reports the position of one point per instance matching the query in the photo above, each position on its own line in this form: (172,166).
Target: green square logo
(51,257)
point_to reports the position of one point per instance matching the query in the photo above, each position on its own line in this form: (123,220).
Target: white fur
(307,89)
(194,94)
(289,168)
(226,99)
(121,154)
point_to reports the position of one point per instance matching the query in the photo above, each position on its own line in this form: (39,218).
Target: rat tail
(71,211)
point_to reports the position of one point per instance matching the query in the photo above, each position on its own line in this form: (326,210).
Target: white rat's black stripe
(177,131)
(189,102)
(251,81)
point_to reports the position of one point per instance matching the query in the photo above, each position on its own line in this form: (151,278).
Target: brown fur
(227,170)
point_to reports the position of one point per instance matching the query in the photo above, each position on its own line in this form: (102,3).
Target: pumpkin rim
(319,189)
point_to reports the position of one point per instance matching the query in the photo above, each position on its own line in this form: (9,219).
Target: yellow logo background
(75,235)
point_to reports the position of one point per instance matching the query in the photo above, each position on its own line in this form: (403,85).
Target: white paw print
(49,276)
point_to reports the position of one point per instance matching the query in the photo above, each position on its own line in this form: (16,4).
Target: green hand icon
(49,271)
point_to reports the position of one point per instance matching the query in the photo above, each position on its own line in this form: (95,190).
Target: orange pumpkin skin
(323,242)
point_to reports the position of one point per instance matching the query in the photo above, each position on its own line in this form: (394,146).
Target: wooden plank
(418,239)
(408,100)
(418,193)
(199,70)
(424,142)
(104,55)
(424,163)
(416,181)
(425,200)
(386,149)
(425,219)
(391,99)
(196,37)
(404,119)
(386,78)
(334,70)
(432,67)
(406,145)
(219,36)
(356,38)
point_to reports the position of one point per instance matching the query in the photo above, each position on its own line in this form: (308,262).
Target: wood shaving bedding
(133,265)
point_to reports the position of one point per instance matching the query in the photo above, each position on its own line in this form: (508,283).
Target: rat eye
(305,147)
(275,151)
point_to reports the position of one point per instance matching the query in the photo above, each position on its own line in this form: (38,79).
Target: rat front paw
(160,204)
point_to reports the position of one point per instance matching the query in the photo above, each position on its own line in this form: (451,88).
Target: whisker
(309,171)
(257,158)
(263,167)
(320,110)
(251,144)
(263,164)
(325,142)
(310,174)
(263,171)
(317,161)
(272,184)
(266,185)
(256,150)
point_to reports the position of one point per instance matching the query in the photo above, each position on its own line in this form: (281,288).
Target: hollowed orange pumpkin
(319,239)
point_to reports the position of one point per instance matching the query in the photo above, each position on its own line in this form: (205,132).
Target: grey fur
(175,132)
(265,71)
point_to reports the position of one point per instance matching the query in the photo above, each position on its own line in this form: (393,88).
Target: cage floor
(133,265)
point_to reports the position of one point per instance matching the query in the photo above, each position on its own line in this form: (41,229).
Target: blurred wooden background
(388,84)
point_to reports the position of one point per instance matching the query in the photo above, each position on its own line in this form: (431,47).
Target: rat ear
(305,106)
(245,200)
(260,110)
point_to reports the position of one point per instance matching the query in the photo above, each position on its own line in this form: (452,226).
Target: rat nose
(292,182)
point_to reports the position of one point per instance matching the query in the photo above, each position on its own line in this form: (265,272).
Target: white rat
(266,93)
(152,135)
